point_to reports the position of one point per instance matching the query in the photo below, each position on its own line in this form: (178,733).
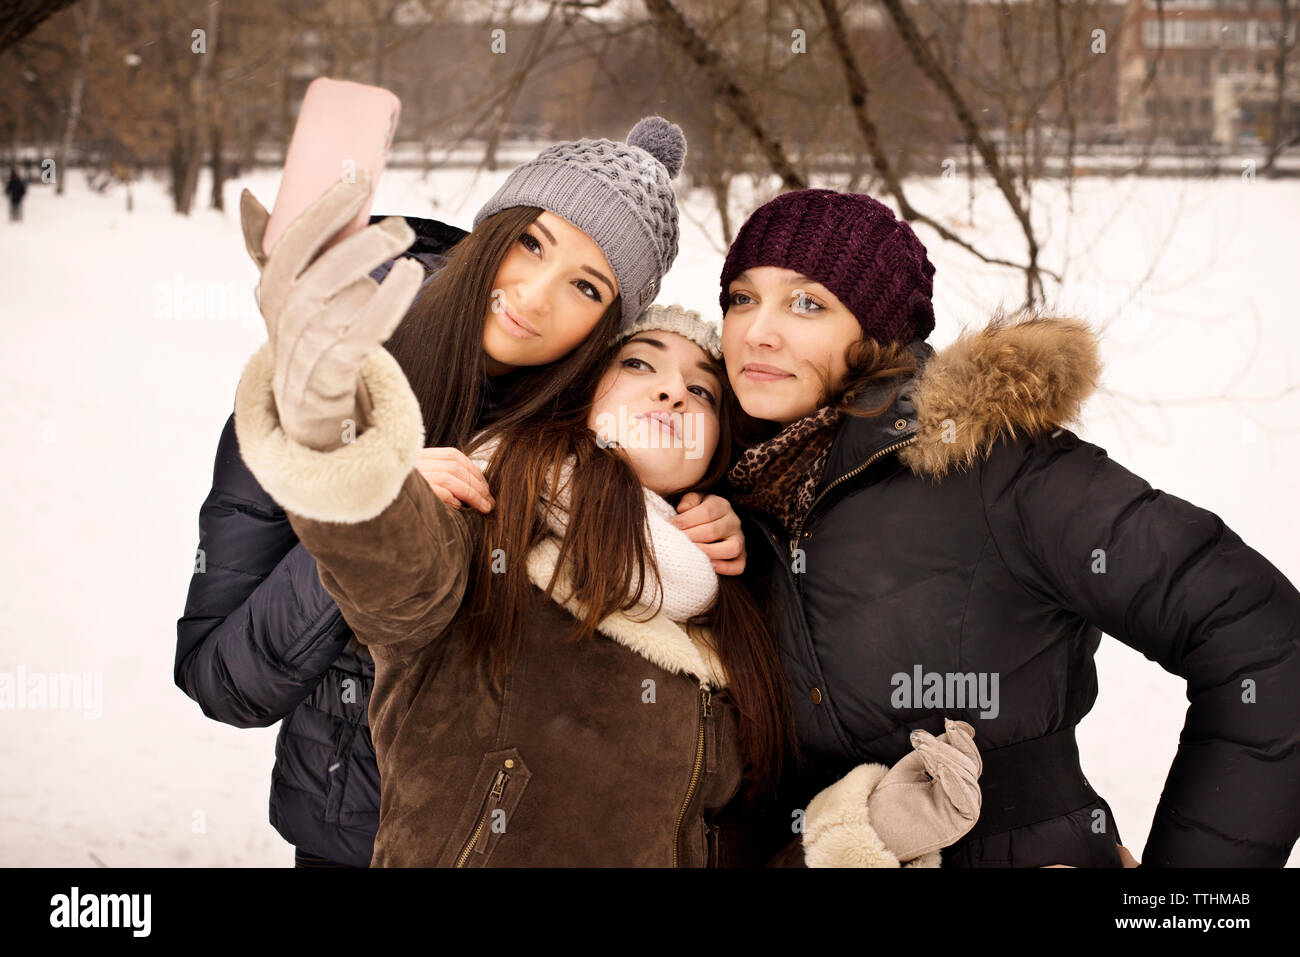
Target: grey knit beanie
(684,322)
(619,194)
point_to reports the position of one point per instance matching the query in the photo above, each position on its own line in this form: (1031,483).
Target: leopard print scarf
(779,477)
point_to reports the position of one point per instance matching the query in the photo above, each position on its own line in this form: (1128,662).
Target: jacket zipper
(494,795)
(794,544)
(706,709)
(798,530)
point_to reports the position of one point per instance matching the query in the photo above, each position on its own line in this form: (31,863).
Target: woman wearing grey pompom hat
(505,320)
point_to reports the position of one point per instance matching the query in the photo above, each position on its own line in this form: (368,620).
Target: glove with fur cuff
(351,484)
(876,816)
(837,826)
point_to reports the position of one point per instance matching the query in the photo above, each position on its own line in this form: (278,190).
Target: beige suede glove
(931,797)
(325,314)
(883,817)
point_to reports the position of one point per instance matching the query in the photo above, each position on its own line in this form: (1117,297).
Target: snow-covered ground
(125,335)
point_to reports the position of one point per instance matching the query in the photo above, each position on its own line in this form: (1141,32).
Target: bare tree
(196,125)
(676,28)
(86,18)
(18,18)
(515,84)
(858,99)
(937,75)
(1280,138)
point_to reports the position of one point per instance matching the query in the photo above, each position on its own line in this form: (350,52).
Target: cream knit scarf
(689,583)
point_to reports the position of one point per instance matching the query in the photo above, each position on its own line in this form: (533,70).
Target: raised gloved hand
(324,315)
(931,797)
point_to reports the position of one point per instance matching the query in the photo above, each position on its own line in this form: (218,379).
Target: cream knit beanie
(674,318)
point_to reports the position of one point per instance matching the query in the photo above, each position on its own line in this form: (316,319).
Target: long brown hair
(604,550)
(439,344)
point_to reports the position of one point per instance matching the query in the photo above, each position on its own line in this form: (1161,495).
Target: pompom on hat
(685,322)
(619,194)
(853,245)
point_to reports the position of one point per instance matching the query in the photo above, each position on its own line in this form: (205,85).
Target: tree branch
(675,27)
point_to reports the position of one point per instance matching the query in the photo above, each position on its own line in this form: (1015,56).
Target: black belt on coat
(1029,782)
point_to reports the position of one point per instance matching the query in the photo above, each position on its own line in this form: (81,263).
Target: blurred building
(1206,72)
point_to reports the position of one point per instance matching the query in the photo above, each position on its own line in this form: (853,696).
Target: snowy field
(125,335)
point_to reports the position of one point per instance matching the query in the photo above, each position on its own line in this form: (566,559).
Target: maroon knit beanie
(851,244)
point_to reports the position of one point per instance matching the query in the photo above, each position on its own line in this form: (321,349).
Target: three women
(507,732)
(909,513)
(260,640)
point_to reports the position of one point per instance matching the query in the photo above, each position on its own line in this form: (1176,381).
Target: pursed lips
(663,417)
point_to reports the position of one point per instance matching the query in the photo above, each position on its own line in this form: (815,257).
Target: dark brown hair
(439,344)
(604,550)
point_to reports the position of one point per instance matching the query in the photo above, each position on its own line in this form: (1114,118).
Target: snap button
(900,424)
(510,762)
(817,696)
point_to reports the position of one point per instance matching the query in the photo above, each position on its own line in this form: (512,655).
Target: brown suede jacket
(613,752)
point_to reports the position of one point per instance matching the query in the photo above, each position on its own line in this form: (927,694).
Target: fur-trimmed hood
(1007,378)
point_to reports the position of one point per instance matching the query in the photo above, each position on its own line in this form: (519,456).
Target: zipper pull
(794,546)
(499,784)
(708,702)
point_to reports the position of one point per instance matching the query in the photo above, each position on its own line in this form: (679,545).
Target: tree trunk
(218,167)
(1279,139)
(195,136)
(85,18)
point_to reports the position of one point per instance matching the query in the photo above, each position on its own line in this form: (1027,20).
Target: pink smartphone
(343,127)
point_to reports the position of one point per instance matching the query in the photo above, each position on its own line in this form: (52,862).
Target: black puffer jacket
(963,532)
(261,641)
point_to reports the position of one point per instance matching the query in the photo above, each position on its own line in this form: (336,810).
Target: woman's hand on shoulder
(712,524)
(454,478)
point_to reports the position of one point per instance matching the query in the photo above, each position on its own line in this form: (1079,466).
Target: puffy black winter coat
(963,533)
(261,641)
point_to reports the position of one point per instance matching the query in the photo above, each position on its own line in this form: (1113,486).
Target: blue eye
(806,304)
(735,298)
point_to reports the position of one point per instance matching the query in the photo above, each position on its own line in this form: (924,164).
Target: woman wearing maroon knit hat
(932,542)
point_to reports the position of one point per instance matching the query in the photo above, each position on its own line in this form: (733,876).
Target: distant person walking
(15,189)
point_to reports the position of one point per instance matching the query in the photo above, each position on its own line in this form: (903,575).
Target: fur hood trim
(1009,377)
